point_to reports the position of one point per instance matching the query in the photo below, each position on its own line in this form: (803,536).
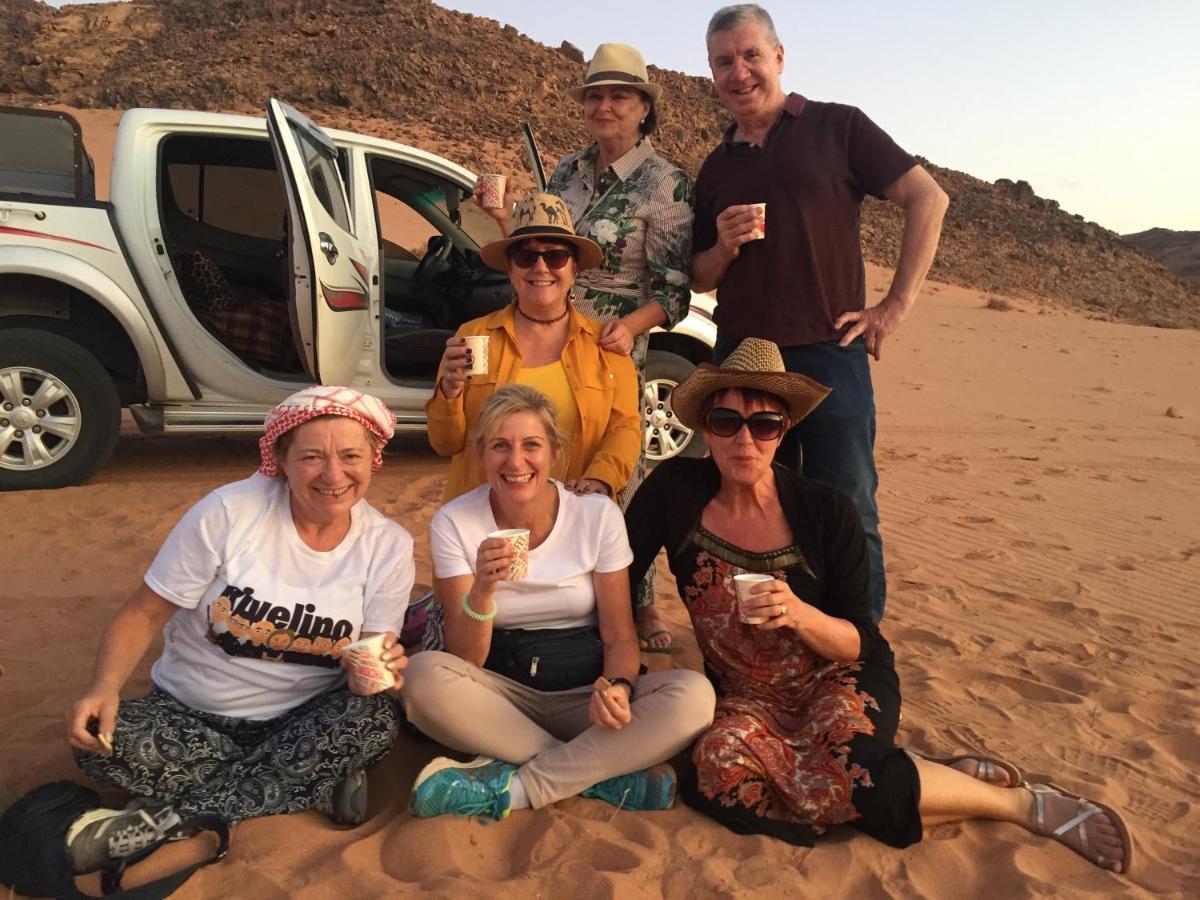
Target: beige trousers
(548,734)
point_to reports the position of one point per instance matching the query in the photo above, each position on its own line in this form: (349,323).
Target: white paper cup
(760,227)
(518,539)
(366,667)
(478,345)
(742,585)
(492,191)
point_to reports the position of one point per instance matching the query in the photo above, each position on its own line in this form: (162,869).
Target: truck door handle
(328,247)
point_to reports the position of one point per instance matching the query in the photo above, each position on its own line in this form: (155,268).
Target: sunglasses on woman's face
(764,426)
(527,259)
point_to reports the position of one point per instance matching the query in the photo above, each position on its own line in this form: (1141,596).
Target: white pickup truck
(237,259)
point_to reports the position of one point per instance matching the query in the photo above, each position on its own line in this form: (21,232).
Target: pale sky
(1096,103)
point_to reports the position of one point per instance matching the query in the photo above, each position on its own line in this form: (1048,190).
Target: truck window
(322,172)
(234,198)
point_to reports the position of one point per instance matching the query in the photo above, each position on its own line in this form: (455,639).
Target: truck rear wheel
(665,435)
(59,411)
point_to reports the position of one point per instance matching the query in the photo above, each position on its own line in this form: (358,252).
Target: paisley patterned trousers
(198,762)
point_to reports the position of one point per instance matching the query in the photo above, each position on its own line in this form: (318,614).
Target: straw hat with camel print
(542,216)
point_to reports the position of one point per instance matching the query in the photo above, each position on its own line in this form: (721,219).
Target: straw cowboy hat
(616,64)
(756,364)
(541,216)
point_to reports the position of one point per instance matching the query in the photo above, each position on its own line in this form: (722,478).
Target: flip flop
(644,642)
(988,765)
(1090,808)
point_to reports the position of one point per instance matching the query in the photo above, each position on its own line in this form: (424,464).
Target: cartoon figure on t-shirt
(341,645)
(302,645)
(260,631)
(244,625)
(239,626)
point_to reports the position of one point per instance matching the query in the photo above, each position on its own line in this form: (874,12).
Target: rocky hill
(1179,251)
(461,85)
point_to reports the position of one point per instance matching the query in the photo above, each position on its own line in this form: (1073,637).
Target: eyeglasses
(764,426)
(527,259)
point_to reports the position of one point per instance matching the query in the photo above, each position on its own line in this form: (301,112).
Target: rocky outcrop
(1179,251)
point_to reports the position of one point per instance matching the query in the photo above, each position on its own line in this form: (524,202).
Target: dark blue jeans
(835,444)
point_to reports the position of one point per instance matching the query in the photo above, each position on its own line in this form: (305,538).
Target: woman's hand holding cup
(374,663)
(492,562)
(493,194)
(767,602)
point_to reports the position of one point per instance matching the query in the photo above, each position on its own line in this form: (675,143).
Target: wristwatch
(625,681)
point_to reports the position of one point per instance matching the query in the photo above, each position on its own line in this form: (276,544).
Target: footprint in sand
(1156,809)
(989,555)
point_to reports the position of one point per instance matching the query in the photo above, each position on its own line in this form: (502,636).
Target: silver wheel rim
(39,419)
(664,436)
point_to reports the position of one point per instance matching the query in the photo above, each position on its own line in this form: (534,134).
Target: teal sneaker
(649,789)
(449,787)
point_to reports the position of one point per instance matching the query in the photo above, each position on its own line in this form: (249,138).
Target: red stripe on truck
(24,232)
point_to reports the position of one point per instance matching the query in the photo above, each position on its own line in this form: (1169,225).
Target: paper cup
(478,345)
(760,227)
(742,585)
(492,191)
(518,539)
(367,668)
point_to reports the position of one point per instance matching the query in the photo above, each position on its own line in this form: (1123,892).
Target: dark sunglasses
(764,426)
(527,259)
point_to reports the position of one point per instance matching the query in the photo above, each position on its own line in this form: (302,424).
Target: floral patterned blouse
(640,213)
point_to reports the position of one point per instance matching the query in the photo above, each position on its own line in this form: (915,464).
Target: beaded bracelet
(478,617)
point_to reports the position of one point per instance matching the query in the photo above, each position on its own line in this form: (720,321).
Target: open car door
(328,288)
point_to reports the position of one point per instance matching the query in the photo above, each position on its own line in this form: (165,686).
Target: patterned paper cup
(518,539)
(478,345)
(742,585)
(492,190)
(760,228)
(366,667)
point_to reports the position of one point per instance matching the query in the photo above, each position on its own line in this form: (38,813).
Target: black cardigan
(825,526)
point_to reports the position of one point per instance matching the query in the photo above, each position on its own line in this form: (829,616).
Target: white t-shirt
(263,617)
(588,536)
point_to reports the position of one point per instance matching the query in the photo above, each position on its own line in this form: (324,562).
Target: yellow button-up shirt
(608,435)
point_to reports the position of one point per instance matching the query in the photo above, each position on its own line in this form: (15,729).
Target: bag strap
(110,879)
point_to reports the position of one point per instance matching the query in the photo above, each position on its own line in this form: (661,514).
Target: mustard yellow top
(607,435)
(552,381)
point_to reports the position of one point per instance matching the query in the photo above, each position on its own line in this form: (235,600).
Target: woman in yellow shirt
(542,341)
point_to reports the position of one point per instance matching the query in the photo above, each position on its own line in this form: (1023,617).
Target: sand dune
(1040,512)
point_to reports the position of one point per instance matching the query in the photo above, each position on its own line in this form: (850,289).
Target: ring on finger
(780,609)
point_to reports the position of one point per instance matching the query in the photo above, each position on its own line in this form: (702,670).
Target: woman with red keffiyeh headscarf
(260,587)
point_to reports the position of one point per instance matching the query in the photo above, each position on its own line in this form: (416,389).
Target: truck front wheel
(664,435)
(59,411)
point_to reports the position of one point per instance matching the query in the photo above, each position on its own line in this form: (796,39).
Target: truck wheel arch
(50,272)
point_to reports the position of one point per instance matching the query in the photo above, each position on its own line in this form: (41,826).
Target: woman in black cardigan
(808,697)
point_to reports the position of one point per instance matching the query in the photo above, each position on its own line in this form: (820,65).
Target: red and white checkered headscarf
(326,400)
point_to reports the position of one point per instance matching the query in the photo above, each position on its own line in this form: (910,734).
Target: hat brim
(588,253)
(649,88)
(799,393)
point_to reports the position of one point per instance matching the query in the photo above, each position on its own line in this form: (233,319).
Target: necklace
(562,315)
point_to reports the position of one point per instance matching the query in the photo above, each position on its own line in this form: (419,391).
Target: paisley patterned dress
(798,743)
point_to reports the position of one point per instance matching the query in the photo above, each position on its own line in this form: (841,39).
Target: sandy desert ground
(1041,516)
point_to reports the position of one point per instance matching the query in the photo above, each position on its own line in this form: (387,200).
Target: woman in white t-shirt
(540,675)
(257,590)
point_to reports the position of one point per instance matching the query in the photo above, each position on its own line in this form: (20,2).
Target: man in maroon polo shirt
(803,286)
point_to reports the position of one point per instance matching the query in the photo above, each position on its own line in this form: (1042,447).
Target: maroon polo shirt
(818,162)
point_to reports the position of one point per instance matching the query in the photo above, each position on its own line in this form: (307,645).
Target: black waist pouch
(548,659)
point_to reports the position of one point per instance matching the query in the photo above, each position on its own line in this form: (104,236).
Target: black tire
(667,436)
(85,416)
